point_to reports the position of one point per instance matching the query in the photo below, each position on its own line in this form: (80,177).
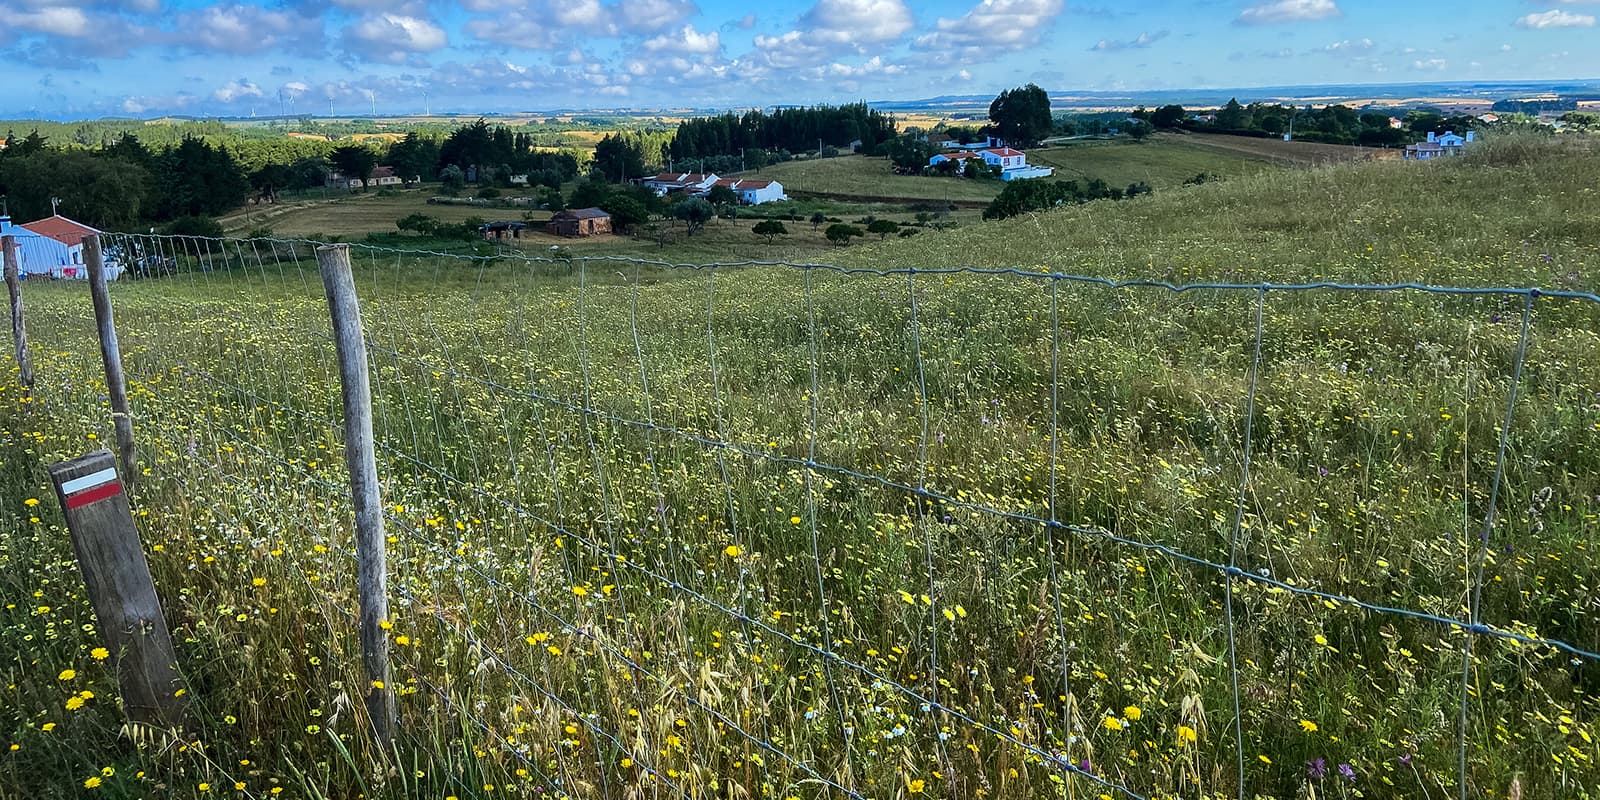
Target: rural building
(1013,164)
(960,160)
(502,230)
(751,192)
(381,176)
(1448,144)
(665,183)
(53,246)
(579,222)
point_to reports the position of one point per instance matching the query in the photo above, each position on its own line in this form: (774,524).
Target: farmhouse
(579,222)
(959,159)
(501,230)
(1013,164)
(665,183)
(751,192)
(1449,144)
(52,246)
(381,176)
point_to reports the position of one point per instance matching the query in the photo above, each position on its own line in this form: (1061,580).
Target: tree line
(1331,124)
(126,183)
(792,129)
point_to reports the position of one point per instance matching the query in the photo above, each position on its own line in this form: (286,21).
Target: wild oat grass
(589,607)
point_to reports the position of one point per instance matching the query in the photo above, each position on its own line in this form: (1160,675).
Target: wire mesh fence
(773,530)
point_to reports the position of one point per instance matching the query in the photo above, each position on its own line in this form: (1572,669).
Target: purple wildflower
(1347,771)
(1317,768)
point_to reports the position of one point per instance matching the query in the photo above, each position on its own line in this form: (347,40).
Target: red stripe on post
(94,495)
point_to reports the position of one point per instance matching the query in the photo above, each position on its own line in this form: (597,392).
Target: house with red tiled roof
(66,231)
(959,159)
(665,183)
(751,192)
(53,246)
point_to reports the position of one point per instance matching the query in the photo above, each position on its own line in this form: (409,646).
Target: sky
(67,59)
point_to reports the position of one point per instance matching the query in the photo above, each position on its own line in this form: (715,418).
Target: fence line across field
(188,258)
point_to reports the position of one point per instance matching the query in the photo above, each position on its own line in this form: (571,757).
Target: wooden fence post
(371,569)
(19,332)
(116,385)
(127,610)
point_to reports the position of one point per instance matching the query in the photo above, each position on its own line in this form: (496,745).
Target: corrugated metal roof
(66,231)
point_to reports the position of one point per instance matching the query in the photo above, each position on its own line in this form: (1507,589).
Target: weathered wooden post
(19,332)
(116,385)
(127,610)
(371,567)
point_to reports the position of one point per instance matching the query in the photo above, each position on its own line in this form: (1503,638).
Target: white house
(664,183)
(751,192)
(52,246)
(1437,146)
(960,159)
(1013,164)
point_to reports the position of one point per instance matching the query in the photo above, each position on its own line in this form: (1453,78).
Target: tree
(817,219)
(105,192)
(625,211)
(722,196)
(588,194)
(1167,116)
(355,162)
(619,157)
(883,227)
(755,158)
(695,213)
(413,157)
(198,179)
(771,229)
(910,152)
(269,179)
(453,179)
(1232,116)
(840,234)
(1021,116)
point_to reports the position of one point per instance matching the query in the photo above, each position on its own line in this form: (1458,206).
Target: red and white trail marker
(91,488)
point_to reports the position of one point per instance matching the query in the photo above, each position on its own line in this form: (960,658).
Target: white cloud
(53,20)
(1556,18)
(1276,11)
(236,90)
(990,28)
(1348,47)
(685,40)
(239,28)
(1431,65)
(832,28)
(393,38)
(651,16)
(1141,41)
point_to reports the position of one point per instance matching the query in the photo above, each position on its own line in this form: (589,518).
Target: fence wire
(820,530)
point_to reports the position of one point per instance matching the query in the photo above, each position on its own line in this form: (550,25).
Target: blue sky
(84,58)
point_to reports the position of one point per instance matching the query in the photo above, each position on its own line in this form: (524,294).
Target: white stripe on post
(88,481)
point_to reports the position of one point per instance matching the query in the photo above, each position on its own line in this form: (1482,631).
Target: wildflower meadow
(786,531)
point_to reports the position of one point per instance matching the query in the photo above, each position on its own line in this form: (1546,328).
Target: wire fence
(773,530)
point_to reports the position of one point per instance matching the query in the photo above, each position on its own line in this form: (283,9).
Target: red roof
(61,229)
(960,155)
(1003,152)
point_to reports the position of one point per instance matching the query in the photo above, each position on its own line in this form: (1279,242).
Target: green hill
(938,534)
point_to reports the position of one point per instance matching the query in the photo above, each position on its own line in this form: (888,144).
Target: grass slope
(576,595)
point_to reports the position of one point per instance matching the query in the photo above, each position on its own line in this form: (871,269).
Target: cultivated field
(594,596)
(1163,161)
(864,178)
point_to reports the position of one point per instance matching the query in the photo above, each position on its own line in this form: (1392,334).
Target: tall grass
(591,607)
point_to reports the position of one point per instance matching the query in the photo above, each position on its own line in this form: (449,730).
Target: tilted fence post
(371,568)
(116,384)
(127,611)
(19,332)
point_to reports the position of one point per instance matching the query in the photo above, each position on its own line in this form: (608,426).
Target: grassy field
(1163,161)
(589,603)
(874,178)
(356,214)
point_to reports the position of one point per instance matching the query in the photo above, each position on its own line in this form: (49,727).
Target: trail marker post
(127,610)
